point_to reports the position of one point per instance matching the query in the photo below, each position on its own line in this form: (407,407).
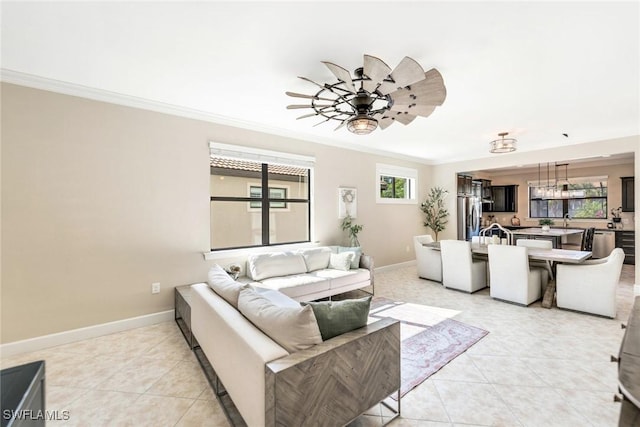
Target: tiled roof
(220,162)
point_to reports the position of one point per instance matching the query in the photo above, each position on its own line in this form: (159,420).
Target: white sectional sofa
(310,274)
(329,383)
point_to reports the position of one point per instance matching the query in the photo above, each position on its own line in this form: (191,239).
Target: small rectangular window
(396,184)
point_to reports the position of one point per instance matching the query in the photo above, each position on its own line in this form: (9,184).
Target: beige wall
(101,200)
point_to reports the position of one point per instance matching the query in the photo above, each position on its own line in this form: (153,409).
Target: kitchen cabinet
(627,193)
(465,184)
(505,198)
(626,240)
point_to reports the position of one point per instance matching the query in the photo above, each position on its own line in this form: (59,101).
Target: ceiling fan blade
(344,122)
(330,110)
(342,74)
(429,91)
(294,107)
(302,95)
(406,73)
(414,109)
(405,119)
(311,81)
(385,122)
(376,70)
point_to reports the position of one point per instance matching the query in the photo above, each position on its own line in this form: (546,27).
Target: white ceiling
(534,69)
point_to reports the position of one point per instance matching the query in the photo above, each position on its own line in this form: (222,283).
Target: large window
(396,184)
(584,198)
(243,215)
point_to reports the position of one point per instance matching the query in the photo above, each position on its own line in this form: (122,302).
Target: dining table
(552,256)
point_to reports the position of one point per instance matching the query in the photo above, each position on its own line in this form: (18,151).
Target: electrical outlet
(155,288)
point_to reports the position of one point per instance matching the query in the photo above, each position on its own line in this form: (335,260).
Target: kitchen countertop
(550,232)
(519,227)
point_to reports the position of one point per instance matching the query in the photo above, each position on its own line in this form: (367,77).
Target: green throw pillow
(337,317)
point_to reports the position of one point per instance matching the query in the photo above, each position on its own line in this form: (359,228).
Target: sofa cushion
(316,258)
(341,261)
(337,317)
(274,264)
(298,284)
(223,285)
(339,278)
(357,254)
(293,328)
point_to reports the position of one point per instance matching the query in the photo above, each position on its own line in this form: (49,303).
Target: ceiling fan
(375,95)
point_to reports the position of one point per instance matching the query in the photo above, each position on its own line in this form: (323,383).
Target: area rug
(430,338)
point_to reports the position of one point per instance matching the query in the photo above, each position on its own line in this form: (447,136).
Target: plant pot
(616,219)
(546,227)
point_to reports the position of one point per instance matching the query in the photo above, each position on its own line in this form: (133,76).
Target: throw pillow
(275,264)
(357,253)
(337,317)
(223,285)
(316,258)
(294,328)
(341,261)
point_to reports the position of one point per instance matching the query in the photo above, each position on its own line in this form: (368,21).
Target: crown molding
(73,89)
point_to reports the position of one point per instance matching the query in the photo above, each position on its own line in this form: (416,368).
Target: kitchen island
(554,234)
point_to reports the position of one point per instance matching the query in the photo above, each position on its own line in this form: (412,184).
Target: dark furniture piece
(626,240)
(629,369)
(627,193)
(505,199)
(587,239)
(465,183)
(183,313)
(22,390)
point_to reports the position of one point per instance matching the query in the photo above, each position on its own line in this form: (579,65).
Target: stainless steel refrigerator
(469,216)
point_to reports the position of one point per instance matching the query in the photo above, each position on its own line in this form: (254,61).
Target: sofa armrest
(366,261)
(334,382)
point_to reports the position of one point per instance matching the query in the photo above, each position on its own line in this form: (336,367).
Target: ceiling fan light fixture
(503,145)
(362,124)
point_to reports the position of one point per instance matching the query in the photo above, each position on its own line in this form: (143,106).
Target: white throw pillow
(341,261)
(275,264)
(316,258)
(294,328)
(357,254)
(223,285)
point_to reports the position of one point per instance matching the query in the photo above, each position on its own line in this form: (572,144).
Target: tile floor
(537,367)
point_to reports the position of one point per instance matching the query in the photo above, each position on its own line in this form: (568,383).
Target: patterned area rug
(430,339)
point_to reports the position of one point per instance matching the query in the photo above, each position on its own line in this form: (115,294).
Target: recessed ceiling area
(533,69)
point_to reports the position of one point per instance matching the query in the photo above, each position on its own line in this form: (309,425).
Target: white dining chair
(511,278)
(590,287)
(459,270)
(428,260)
(545,265)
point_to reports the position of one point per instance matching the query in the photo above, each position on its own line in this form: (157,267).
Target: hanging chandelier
(503,145)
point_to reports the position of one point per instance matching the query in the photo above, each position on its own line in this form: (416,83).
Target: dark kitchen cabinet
(626,240)
(627,193)
(465,184)
(505,198)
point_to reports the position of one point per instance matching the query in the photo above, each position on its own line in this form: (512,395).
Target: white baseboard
(66,337)
(392,267)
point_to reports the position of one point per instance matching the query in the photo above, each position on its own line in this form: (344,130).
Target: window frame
(410,174)
(266,158)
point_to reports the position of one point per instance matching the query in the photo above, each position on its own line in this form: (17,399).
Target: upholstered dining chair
(428,260)
(545,265)
(587,239)
(459,270)
(590,287)
(511,278)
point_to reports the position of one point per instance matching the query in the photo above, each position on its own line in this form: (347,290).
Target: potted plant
(435,213)
(546,224)
(352,230)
